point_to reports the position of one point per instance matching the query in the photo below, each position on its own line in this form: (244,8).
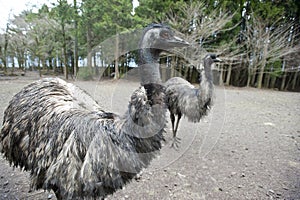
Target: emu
(69,144)
(184,99)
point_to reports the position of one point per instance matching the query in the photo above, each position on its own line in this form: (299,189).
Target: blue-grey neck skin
(206,84)
(149,66)
(155,39)
(149,56)
(207,69)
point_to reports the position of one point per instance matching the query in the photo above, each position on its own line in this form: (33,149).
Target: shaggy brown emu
(60,134)
(184,99)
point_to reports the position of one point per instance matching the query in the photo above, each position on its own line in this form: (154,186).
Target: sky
(9,8)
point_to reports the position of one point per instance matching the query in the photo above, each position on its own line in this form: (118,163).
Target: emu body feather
(76,151)
(70,145)
(184,99)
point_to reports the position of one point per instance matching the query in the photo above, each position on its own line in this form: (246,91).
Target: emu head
(161,37)
(210,59)
(155,39)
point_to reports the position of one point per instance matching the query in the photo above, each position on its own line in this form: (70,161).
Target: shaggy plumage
(78,152)
(184,99)
(60,134)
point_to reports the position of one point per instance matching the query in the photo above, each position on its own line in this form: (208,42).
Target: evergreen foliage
(258,40)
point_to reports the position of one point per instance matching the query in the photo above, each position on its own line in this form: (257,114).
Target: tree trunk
(4,64)
(172,67)
(264,61)
(253,76)
(96,67)
(103,71)
(294,81)
(273,81)
(228,73)
(267,80)
(237,76)
(43,64)
(283,81)
(13,66)
(65,67)
(6,38)
(173,64)
(64,51)
(195,75)
(191,72)
(261,74)
(50,64)
(221,82)
(108,70)
(288,81)
(186,72)
(179,67)
(54,65)
(19,62)
(75,42)
(39,67)
(89,45)
(117,74)
(249,76)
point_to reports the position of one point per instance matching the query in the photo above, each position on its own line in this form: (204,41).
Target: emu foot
(175,143)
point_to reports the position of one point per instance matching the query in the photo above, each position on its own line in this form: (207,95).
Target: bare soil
(248,147)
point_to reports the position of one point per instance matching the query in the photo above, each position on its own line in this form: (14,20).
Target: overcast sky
(9,8)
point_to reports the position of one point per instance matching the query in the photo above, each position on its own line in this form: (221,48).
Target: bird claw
(175,143)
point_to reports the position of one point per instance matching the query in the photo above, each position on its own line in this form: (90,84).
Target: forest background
(258,40)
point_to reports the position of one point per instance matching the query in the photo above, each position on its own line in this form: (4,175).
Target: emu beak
(218,60)
(178,42)
(215,58)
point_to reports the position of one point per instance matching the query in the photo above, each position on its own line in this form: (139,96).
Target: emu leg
(176,127)
(176,140)
(172,116)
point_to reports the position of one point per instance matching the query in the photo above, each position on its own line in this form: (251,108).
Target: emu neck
(206,84)
(149,66)
(207,71)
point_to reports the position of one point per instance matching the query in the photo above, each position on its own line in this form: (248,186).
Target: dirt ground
(247,148)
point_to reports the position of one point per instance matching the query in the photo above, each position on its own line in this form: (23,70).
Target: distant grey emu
(184,99)
(60,134)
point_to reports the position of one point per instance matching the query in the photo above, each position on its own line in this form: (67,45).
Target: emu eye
(165,35)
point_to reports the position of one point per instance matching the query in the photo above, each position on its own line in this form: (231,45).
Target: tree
(150,11)
(42,33)
(62,12)
(267,43)
(4,41)
(76,19)
(255,50)
(19,38)
(104,19)
(89,17)
(201,27)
